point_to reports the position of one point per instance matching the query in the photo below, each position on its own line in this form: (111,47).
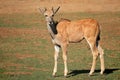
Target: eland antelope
(66,31)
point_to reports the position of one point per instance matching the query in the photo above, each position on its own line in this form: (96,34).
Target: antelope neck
(52,28)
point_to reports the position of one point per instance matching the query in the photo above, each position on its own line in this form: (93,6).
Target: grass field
(26,51)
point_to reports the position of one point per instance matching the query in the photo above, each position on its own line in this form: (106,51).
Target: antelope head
(49,14)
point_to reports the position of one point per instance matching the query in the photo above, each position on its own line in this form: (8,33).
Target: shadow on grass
(77,72)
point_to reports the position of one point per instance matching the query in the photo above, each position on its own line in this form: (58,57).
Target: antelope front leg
(57,48)
(64,49)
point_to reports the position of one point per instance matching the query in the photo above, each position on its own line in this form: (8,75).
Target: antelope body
(66,31)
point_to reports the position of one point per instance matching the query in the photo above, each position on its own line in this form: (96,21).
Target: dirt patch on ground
(28,6)
(18,73)
(36,69)
(14,32)
(9,64)
(23,56)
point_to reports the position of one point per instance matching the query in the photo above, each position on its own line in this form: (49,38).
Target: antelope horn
(54,11)
(42,10)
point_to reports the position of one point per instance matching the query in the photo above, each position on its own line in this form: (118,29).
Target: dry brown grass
(28,6)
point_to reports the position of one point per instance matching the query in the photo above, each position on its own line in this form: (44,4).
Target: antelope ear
(55,11)
(42,10)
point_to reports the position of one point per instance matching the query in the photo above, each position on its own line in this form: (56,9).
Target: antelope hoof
(101,72)
(65,75)
(91,73)
(54,75)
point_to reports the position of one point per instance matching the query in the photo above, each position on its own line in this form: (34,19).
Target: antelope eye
(46,15)
(52,15)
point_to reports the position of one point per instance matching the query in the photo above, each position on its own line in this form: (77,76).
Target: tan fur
(85,28)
